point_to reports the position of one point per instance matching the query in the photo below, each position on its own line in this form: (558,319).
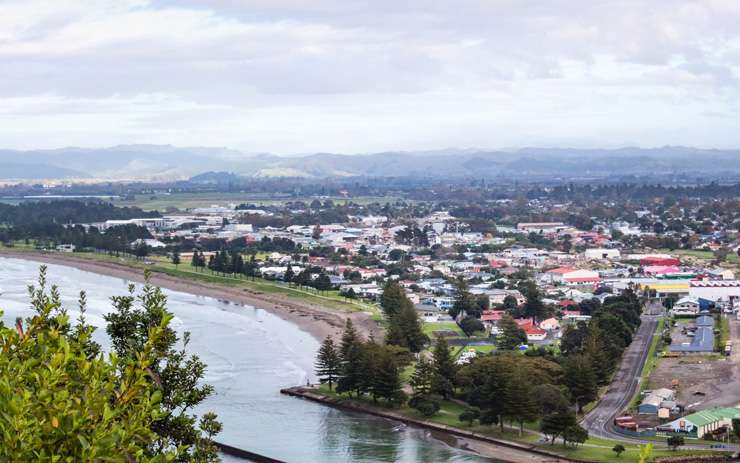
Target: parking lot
(704,381)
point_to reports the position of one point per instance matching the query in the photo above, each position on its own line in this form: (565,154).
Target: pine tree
(392,298)
(195,260)
(355,374)
(512,336)
(421,380)
(444,369)
(520,402)
(464,301)
(288,275)
(385,377)
(404,328)
(176,257)
(328,364)
(579,376)
(349,337)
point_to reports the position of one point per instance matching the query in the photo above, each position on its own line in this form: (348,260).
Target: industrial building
(703,422)
(703,340)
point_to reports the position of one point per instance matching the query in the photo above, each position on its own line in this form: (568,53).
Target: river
(251,354)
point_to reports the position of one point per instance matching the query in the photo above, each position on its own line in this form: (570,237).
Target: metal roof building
(703,340)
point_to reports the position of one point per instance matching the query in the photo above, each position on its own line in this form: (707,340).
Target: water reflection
(251,354)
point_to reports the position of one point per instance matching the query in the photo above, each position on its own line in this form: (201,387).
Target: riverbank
(483,445)
(315,319)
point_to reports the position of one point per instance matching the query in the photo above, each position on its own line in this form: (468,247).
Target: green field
(732,257)
(182,201)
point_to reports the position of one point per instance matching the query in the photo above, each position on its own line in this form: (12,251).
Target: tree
(195,260)
(470,325)
(385,376)
(575,434)
(288,275)
(520,404)
(512,336)
(349,338)
(674,442)
(322,283)
(469,415)
(579,377)
(421,380)
(177,375)
(510,303)
(444,369)
(534,307)
(328,364)
(618,449)
(464,301)
(176,257)
(141,250)
(736,427)
(556,423)
(83,406)
(316,234)
(392,298)
(404,328)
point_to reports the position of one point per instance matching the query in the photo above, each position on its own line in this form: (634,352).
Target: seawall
(511,451)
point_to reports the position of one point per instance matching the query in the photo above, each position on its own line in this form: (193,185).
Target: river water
(251,354)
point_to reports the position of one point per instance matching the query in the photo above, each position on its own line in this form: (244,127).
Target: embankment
(484,445)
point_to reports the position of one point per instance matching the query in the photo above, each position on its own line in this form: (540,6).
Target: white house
(686,306)
(601,253)
(551,324)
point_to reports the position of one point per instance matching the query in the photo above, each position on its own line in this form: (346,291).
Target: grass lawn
(430,327)
(594,449)
(330,299)
(732,258)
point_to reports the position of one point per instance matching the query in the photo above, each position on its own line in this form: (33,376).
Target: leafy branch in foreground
(175,373)
(63,401)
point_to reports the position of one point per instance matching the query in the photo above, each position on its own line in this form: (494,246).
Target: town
(575,293)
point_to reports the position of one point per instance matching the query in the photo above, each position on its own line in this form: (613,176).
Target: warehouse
(703,340)
(715,290)
(703,422)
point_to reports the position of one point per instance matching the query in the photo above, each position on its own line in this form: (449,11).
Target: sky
(345,76)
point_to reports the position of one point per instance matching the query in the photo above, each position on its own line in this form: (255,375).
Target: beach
(313,318)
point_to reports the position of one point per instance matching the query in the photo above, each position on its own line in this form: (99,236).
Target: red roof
(583,280)
(659,261)
(534,330)
(567,302)
(492,315)
(562,270)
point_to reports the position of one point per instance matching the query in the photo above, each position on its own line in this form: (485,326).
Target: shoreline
(316,320)
(482,445)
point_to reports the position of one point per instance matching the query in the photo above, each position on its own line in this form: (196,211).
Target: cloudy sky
(298,76)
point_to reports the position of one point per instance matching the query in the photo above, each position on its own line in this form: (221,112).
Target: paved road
(626,380)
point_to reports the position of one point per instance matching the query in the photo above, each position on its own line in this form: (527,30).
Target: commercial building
(703,422)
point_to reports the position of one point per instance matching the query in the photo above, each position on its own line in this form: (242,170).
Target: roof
(562,270)
(712,415)
(715,283)
(703,341)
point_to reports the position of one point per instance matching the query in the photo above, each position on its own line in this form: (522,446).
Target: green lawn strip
(650,363)
(430,327)
(330,299)
(594,449)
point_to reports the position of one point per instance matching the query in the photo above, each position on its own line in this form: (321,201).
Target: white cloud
(289,76)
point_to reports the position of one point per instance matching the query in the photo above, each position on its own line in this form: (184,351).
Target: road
(626,381)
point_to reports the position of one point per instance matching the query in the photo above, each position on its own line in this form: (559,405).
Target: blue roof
(703,341)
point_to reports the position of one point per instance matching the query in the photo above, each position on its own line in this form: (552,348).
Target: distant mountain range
(165,162)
